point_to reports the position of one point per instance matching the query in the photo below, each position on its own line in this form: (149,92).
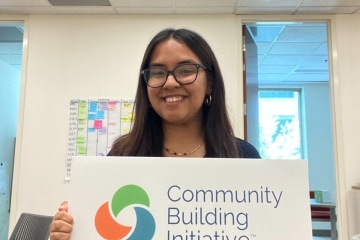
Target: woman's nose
(171,82)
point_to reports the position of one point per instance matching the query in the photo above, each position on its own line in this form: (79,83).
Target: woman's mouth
(173,99)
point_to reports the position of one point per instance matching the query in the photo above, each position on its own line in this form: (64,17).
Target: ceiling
(113,7)
(11,38)
(291,53)
(288,52)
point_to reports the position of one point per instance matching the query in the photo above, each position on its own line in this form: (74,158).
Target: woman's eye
(157,73)
(186,71)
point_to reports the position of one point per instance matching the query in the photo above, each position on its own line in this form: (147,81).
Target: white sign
(189,199)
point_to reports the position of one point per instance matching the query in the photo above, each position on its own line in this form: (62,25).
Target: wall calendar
(94,124)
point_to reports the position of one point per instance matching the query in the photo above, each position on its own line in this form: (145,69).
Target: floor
(321,238)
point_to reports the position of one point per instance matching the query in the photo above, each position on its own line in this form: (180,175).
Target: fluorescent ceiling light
(80,2)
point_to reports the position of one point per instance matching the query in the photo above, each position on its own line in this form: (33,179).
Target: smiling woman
(180,109)
(180,103)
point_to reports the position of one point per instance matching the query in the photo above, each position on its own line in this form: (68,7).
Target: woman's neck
(183,140)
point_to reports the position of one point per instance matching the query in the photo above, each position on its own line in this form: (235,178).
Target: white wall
(348,86)
(319,140)
(319,137)
(98,56)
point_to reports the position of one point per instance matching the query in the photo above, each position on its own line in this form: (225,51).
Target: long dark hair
(146,136)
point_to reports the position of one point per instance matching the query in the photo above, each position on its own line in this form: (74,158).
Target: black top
(246,149)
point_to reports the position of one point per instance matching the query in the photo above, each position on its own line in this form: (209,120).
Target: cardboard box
(323,196)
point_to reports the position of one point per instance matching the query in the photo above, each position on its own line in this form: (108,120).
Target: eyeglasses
(184,74)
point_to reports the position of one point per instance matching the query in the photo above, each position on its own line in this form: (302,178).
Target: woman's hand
(62,224)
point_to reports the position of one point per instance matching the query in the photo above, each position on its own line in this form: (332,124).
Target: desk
(332,207)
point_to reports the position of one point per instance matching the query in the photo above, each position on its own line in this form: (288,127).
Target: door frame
(13,19)
(339,166)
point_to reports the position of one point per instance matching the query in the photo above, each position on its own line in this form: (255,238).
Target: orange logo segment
(104,221)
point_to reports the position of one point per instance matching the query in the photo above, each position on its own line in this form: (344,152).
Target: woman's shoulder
(246,149)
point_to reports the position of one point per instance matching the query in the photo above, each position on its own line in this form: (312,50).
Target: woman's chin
(174,120)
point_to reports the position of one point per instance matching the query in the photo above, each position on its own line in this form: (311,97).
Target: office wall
(348,86)
(319,137)
(98,56)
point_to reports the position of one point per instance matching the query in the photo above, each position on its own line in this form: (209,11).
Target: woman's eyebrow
(156,65)
(187,61)
(179,63)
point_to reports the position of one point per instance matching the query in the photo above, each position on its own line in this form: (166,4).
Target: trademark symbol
(253,235)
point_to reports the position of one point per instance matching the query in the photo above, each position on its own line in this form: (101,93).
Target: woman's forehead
(172,51)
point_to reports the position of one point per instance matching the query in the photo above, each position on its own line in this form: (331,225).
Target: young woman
(180,109)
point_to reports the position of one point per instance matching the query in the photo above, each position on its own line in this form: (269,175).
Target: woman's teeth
(173,99)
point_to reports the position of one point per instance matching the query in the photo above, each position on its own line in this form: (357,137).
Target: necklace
(182,154)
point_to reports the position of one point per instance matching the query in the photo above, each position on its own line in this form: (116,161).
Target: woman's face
(176,103)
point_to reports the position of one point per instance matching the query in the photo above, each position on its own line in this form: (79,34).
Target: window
(280,124)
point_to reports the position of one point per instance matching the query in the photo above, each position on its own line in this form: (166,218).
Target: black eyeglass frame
(173,73)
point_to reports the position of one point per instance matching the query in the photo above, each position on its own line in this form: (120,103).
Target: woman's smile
(171,99)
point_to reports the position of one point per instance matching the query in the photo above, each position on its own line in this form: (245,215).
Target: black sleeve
(246,149)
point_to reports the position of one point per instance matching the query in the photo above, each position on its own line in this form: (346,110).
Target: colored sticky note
(81,121)
(80,139)
(91,129)
(97,124)
(127,105)
(93,107)
(125,119)
(82,116)
(100,115)
(103,106)
(82,107)
(112,106)
(92,116)
(81,150)
(102,131)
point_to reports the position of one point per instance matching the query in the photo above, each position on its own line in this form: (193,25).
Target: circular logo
(124,197)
